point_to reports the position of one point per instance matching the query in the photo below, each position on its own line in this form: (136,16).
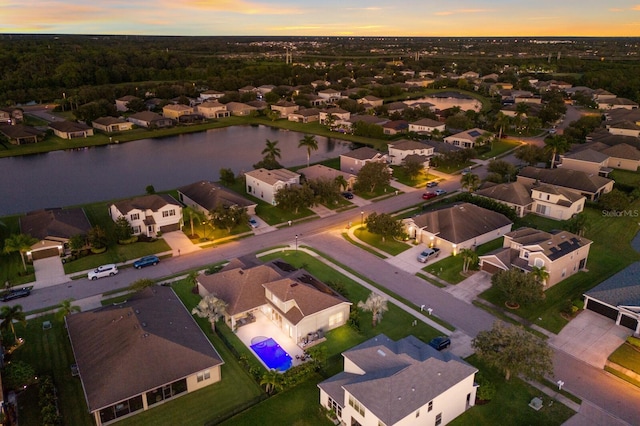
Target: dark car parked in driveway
(146,261)
(16,294)
(348,195)
(440,342)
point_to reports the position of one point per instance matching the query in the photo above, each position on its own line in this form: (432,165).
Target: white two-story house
(400,150)
(150,214)
(264,184)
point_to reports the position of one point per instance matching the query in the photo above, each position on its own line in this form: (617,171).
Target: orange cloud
(234,6)
(460,11)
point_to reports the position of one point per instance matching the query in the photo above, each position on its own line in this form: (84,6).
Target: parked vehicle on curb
(103,271)
(146,261)
(16,294)
(432,184)
(253,222)
(428,253)
(440,342)
(429,195)
(441,191)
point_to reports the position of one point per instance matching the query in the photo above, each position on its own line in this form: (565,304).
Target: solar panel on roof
(474,133)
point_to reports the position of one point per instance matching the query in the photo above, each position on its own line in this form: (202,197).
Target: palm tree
(66,308)
(502,121)
(341,182)
(540,274)
(556,144)
(9,314)
(212,308)
(272,381)
(470,182)
(271,150)
(309,142)
(469,257)
(21,243)
(376,304)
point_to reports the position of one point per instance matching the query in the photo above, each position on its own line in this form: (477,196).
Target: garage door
(170,228)
(602,309)
(41,254)
(490,268)
(629,322)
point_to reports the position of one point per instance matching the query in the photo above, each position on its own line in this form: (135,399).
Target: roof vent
(294,284)
(144,324)
(145,335)
(413,389)
(241,272)
(381,352)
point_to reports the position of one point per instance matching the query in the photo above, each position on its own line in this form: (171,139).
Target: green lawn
(379,191)
(610,252)
(419,181)
(499,147)
(450,268)
(511,404)
(391,246)
(627,356)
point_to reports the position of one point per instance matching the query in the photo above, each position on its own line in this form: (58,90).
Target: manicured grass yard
(391,246)
(627,356)
(500,146)
(450,268)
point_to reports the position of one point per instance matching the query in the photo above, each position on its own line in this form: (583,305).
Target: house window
(564,272)
(430,406)
(333,405)
(418,413)
(525,254)
(541,209)
(579,208)
(336,319)
(136,229)
(356,405)
(135,216)
(439,419)
(548,197)
(203,375)
(168,213)
(249,189)
(538,262)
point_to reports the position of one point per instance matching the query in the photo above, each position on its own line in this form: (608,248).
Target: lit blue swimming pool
(272,354)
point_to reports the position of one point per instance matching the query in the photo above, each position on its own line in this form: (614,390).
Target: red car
(429,195)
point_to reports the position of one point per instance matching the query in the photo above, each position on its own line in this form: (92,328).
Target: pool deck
(264,327)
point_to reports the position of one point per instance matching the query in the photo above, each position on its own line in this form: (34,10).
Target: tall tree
(211,308)
(310,143)
(556,144)
(294,198)
(470,182)
(514,351)
(376,304)
(228,217)
(413,167)
(501,122)
(123,229)
(469,257)
(21,243)
(271,151)
(385,225)
(9,315)
(517,288)
(97,237)
(371,176)
(271,380)
(540,274)
(66,308)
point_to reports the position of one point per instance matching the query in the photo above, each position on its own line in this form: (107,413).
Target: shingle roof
(461,222)
(210,195)
(320,171)
(622,150)
(153,202)
(59,223)
(126,349)
(272,176)
(567,178)
(622,289)
(68,126)
(19,131)
(512,193)
(107,121)
(364,153)
(146,116)
(556,190)
(588,155)
(428,123)
(408,145)
(553,245)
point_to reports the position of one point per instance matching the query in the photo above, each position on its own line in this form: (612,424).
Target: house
(247,89)
(586,160)
(150,120)
(122,104)
(353,161)
(617,103)
(53,228)
(618,298)
(330,95)
(175,111)
(624,128)
(294,300)
(11,115)
(544,200)
(426,125)
(135,355)
(561,253)
(150,214)
(264,184)
(399,150)
(338,114)
(212,109)
(469,138)
(623,156)
(19,134)
(240,109)
(371,101)
(285,108)
(211,94)
(368,119)
(205,196)
(589,185)
(419,82)
(305,115)
(462,226)
(70,129)
(396,108)
(111,124)
(394,127)
(404,382)
(322,172)
(266,88)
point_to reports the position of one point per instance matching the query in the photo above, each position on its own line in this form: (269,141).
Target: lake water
(66,178)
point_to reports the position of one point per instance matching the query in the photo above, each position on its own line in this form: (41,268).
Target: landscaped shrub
(18,374)
(486,389)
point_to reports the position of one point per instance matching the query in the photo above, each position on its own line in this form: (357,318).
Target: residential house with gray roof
(206,196)
(404,382)
(70,129)
(53,228)
(400,150)
(135,355)
(264,184)
(150,214)
(426,126)
(353,161)
(586,160)
(469,138)
(589,185)
(19,134)
(111,124)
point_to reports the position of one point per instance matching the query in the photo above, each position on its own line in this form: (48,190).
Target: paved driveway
(179,242)
(469,289)
(590,337)
(49,271)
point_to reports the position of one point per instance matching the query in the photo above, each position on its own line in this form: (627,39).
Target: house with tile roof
(513,194)
(264,184)
(328,174)
(618,298)
(370,101)
(427,126)
(586,160)
(305,115)
(111,124)
(19,134)
(297,302)
(621,155)
(353,161)
(135,355)
(339,116)
(561,253)
(404,382)
(461,226)
(589,185)
(240,109)
(400,150)
(285,108)
(53,228)
(625,128)
(150,120)
(150,214)
(122,104)
(70,129)
(469,138)
(212,109)
(395,127)
(617,103)
(205,196)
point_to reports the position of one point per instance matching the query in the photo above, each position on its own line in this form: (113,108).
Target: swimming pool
(272,354)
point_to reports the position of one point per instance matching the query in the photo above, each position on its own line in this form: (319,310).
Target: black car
(348,195)
(440,342)
(15,294)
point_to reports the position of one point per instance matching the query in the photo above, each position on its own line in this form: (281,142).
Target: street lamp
(361,218)
(204,225)
(296,242)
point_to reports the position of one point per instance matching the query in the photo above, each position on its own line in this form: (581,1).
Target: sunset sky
(325,17)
